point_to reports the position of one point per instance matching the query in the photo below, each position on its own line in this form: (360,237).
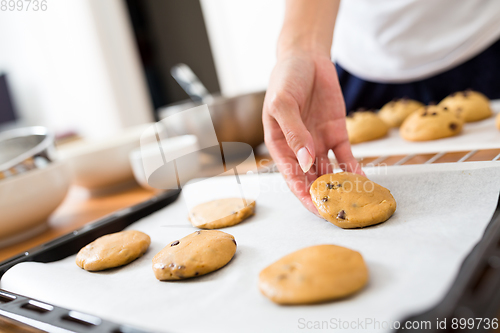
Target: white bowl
(184,149)
(27,200)
(100,164)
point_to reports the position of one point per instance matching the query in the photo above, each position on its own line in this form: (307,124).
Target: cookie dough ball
(430,123)
(113,250)
(395,112)
(349,200)
(221,213)
(314,274)
(470,105)
(498,121)
(365,126)
(196,254)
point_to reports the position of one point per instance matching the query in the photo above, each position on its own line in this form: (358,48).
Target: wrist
(302,44)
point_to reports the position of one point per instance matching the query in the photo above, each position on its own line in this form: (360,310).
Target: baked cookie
(349,200)
(196,254)
(430,123)
(497,121)
(395,112)
(314,274)
(221,213)
(470,105)
(113,250)
(365,126)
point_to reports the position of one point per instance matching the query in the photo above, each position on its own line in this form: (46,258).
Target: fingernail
(305,159)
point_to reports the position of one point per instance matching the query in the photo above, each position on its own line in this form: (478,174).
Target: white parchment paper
(478,135)
(413,259)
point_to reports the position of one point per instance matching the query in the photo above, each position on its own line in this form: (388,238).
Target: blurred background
(92,68)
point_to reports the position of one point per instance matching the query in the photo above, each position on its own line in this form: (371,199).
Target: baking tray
(475,292)
(25,311)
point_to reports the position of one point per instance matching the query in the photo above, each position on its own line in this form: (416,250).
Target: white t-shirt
(405,40)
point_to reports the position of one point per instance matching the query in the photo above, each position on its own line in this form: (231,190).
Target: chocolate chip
(445,108)
(329,186)
(234,242)
(196,273)
(325,199)
(339,185)
(453,126)
(434,113)
(341,215)
(175,243)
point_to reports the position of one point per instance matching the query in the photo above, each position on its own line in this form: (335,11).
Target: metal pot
(235,119)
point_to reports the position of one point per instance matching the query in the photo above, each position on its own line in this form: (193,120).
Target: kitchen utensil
(27,200)
(235,119)
(70,243)
(24,149)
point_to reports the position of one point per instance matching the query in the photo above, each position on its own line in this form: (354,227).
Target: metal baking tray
(475,292)
(24,311)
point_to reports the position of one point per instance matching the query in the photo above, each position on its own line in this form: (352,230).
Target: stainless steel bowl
(235,119)
(24,149)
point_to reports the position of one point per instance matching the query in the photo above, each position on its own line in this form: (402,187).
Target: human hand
(304,117)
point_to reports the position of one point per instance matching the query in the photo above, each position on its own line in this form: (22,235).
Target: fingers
(345,158)
(323,165)
(297,181)
(285,110)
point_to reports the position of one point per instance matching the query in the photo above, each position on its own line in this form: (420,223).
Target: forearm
(308,26)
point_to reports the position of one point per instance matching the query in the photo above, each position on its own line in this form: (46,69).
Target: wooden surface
(78,209)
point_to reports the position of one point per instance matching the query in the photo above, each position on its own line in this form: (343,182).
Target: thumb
(287,114)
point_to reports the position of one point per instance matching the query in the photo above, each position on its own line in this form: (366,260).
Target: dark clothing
(481,73)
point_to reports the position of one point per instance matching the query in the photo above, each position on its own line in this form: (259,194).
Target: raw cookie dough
(314,274)
(430,123)
(196,254)
(221,213)
(470,105)
(113,250)
(349,200)
(395,112)
(365,126)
